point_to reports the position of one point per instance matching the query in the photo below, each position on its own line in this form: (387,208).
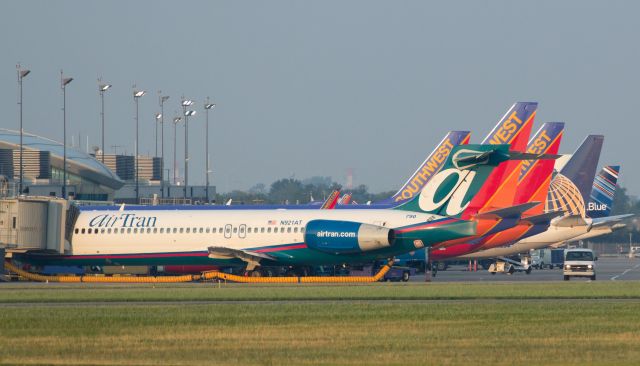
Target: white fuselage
(172,231)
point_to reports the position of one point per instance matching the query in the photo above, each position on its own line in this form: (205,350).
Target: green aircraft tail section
(466,170)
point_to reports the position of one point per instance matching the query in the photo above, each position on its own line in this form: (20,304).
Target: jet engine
(344,237)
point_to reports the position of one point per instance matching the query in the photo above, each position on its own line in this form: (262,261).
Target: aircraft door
(227,231)
(242,233)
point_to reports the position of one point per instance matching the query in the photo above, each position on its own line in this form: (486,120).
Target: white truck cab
(579,263)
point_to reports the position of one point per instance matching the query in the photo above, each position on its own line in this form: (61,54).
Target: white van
(579,263)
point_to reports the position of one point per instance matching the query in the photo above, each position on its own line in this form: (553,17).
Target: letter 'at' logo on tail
(450,191)
(448,187)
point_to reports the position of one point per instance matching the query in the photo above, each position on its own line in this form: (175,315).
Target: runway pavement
(607,269)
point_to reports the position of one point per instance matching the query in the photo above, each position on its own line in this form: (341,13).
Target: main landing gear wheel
(255,273)
(566,278)
(405,276)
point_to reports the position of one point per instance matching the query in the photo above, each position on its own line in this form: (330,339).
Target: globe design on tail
(564,196)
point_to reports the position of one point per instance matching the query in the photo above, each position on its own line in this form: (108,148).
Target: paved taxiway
(607,269)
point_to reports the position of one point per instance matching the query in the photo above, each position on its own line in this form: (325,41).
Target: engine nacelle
(346,236)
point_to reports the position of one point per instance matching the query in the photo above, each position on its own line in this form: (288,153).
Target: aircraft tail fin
(429,167)
(514,129)
(569,190)
(581,168)
(535,175)
(331,201)
(603,191)
(463,175)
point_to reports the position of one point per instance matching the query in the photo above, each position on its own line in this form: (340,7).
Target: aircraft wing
(251,258)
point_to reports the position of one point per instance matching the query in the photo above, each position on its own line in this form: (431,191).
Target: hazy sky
(315,88)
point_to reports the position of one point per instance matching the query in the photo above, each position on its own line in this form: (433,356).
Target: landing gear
(405,276)
(566,278)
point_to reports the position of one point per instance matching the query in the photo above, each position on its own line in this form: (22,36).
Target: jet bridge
(35,224)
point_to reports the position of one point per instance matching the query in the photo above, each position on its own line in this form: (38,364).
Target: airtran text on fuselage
(426,171)
(122,220)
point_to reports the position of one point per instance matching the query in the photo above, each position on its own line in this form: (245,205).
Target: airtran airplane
(255,238)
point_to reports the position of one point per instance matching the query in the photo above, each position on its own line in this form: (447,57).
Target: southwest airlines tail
(570,189)
(514,129)
(535,175)
(432,165)
(604,188)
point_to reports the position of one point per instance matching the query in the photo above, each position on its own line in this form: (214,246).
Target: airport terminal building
(88,179)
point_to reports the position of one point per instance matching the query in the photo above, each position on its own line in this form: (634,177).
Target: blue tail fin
(604,188)
(571,188)
(581,168)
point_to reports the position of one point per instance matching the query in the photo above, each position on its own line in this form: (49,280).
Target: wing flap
(251,258)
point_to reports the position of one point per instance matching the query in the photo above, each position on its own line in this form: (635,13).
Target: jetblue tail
(432,165)
(602,193)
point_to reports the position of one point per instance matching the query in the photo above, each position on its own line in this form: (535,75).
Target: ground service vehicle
(579,263)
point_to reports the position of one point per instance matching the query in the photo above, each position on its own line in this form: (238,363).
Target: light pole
(207,107)
(162,98)
(21,74)
(158,117)
(137,94)
(102,88)
(176,120)
(63,84)
(186,103)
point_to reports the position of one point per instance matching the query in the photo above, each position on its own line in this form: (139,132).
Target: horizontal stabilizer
(509,212)
(570,221)
(514,155)
(609,220)
(542,218)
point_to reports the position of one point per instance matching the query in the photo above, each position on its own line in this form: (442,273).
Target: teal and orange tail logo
(514,129)
(432,165)
(465,172)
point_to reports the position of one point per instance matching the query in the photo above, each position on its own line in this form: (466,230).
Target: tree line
(294,191)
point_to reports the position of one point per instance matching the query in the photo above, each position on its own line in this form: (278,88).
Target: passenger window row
(188,230)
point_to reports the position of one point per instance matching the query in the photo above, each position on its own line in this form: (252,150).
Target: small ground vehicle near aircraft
(579,262)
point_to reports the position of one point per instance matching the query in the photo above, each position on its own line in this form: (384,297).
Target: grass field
(541,323)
